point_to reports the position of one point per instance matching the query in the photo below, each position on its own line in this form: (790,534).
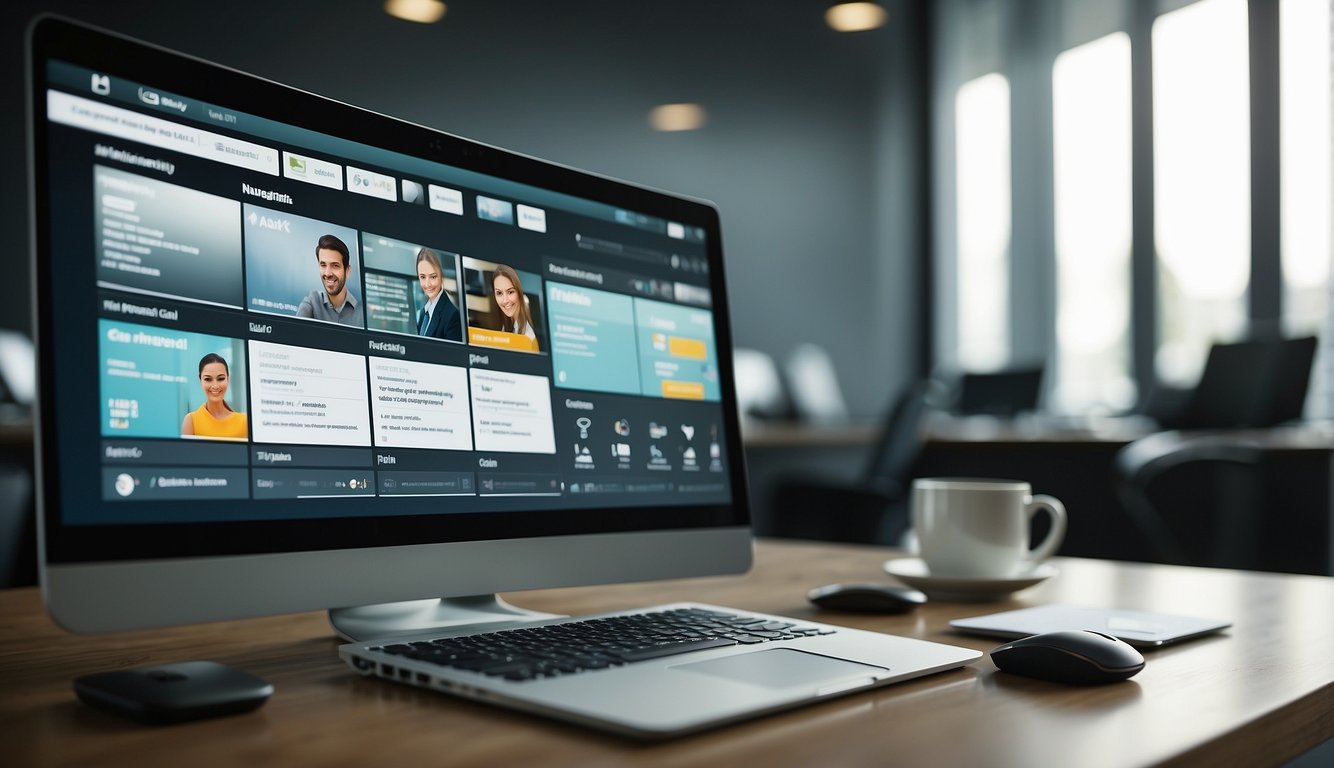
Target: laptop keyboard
(531,653)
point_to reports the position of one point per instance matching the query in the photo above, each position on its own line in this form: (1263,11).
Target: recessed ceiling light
(420,11)
(855,17)
(677,117)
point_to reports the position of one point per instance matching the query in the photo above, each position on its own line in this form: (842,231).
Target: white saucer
(913,572)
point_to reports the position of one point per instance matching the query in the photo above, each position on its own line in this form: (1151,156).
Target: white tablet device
(1144,630)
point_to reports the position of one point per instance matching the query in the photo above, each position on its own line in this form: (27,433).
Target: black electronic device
(207,239)
(1075,657)
(866,598)
(174,693)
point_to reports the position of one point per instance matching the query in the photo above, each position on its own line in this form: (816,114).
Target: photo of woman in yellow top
(215,419)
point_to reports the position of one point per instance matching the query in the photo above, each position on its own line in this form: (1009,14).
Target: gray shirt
(317,305)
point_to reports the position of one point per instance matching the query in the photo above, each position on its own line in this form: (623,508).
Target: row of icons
(689,458)
(698,265)
(621,427)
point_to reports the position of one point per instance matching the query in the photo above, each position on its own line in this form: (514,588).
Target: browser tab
(532,218)
(312,170)
(492,209)
(445,199)
(372,184)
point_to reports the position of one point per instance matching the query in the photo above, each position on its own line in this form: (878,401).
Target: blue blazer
(445,323)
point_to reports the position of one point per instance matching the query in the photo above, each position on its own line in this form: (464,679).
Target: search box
(123,124)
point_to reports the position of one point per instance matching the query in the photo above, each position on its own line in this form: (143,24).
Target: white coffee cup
(980,528)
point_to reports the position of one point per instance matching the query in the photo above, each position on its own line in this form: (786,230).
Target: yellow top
(233,426)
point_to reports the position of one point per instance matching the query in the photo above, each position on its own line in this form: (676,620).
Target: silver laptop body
(680,694)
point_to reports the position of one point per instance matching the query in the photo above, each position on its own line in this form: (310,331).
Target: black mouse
(866,598)
(174,693)
(1076,657)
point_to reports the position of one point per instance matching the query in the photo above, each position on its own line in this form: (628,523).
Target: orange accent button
(690,348)
(501,340)
(683,390)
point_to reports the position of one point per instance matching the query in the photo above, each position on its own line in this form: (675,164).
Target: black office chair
(18,528)
(1193,498)
(871,509)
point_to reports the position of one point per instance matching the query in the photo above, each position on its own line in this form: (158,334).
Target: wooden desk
(1258,695)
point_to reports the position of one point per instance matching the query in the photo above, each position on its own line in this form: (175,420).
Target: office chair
(813,385)
(1193,498)
(759,387)
(18,528)
(871,509)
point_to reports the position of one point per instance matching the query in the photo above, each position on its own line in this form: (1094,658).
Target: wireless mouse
(866,598)
(1075,657)
(174,693)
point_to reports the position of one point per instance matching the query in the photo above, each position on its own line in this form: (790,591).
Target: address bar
(77,112)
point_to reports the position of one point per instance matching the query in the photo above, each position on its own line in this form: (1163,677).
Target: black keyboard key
(672,649)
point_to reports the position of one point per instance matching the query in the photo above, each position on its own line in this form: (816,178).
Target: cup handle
(1055,535)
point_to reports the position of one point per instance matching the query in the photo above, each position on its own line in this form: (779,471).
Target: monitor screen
(309,356)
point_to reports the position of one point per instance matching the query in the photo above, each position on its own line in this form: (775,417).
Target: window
(982,131)
(1201,135)
(1304,122)
(1092,162)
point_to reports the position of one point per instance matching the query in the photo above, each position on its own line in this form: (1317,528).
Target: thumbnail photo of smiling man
(279,247)
(504,306)
(333,304)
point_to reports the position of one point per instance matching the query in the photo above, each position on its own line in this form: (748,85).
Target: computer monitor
(297,355)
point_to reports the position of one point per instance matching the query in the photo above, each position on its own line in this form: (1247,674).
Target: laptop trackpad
(783,668)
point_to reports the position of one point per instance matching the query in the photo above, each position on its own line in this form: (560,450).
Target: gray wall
(801,153)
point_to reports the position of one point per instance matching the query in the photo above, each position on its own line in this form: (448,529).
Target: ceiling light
(855,17)
(677,117)
(420,11)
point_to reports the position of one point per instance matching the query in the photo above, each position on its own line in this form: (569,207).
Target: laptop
(706,666)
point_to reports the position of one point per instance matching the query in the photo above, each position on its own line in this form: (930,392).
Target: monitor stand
(487,612)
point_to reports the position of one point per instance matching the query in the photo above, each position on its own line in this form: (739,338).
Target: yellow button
(501,339)
(683,390)
(691,348)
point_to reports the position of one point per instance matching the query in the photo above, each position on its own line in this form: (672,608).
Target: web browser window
(291,319)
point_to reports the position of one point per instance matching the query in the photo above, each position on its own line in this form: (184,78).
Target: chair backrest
(901,441)
(1231,389)
(1290,376)
(1193,497)
(18,528)
(813,384)
(1251,384)
(759,388)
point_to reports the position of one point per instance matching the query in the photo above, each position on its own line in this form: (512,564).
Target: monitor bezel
(237,544)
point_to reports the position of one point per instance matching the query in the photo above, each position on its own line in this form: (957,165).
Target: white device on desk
(1138,628)
(276,425)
